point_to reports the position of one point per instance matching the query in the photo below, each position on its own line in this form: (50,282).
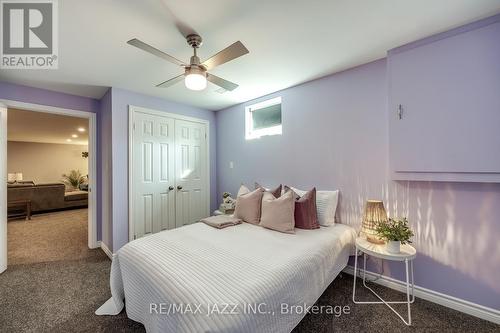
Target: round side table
(406,255)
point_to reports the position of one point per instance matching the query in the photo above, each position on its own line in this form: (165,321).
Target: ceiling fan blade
(231,52)
(172,81)
(148,48)
(228,85)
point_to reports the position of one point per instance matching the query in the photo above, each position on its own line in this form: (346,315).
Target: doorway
(69,199)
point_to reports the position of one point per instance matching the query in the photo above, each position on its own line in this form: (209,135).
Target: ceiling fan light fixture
(196,79)
(195,72)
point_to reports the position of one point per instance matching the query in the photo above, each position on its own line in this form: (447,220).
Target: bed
(239,279)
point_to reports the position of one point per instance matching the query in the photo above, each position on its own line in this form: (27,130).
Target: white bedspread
(223,272)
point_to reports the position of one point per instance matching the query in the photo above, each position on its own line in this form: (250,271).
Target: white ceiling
(290,42)
(29,126)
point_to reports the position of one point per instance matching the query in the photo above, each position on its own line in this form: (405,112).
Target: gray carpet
(52,236)
(61,296)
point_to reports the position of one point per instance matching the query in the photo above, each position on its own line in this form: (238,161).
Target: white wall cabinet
(444,106)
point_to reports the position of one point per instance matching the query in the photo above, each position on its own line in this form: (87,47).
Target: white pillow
(326,205)
(243,190)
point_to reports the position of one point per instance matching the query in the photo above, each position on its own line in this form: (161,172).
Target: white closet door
(154,176)
(191,172)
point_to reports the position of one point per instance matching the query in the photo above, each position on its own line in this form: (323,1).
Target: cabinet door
(449,91)
(191,172)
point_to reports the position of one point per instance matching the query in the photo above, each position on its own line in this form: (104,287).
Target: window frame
(250,133)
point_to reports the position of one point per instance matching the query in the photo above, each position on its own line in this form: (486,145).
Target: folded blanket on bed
(221,221)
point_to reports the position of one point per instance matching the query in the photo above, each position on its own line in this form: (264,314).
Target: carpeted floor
(62,295)
(46,237)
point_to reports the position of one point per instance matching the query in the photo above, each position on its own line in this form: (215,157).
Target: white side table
(407,254)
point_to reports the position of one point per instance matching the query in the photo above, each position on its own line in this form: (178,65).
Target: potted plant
(395,232)
(73,180)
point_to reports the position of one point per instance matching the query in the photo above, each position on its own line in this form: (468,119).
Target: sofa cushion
(75,195)
(18,185)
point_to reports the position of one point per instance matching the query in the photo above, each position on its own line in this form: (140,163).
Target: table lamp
(373,215)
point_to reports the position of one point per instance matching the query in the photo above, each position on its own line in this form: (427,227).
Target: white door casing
(92,149)
(158,142)
(191,163)
(3,189)
(154,195)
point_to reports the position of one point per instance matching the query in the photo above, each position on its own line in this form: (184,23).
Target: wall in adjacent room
(335,136)
(45,162)
(121,99)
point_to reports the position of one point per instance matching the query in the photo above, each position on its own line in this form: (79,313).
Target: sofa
(48,196)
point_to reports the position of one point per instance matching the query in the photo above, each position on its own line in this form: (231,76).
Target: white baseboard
(95,245)
(106,250)
(458,304)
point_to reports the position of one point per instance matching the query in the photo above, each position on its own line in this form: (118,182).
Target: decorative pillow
(248,206)
(326,205)
(276,192)
(278,213)
(243,190)
(306,216)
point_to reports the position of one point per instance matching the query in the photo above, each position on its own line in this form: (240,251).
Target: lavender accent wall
(121,99)
(26,94)
(335,136)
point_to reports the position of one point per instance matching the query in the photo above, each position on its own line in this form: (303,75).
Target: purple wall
(26,94)
(335,136)
(121,99)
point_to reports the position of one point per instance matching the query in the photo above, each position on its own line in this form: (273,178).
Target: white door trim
(92,147)
(131,111)
(3,187)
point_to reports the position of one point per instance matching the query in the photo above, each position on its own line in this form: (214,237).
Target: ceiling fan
(195,73)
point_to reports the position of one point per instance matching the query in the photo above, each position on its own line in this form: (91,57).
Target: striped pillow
(326,205)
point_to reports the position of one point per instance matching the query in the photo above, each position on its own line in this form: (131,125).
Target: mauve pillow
(276,192)
(306,216)
(248,206)
(278,213)
(326,205)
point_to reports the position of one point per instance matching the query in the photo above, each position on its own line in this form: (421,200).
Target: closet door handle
(179,187)
(170,188)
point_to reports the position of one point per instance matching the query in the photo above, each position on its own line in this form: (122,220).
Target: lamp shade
(374,214)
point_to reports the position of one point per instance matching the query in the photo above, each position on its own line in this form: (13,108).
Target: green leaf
(395,230)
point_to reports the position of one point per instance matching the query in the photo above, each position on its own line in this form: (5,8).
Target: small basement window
(263,118)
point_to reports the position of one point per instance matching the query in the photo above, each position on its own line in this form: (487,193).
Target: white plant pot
(393,247)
